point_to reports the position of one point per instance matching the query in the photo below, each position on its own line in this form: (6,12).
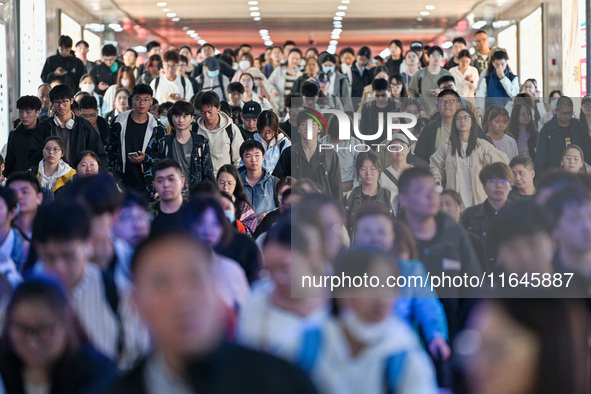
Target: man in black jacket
(63,66)
(178,299)
(444,246)
(89,111)
(75,131)
(105,74)
(561,131)
(496,180)
(362,74)
(19,139)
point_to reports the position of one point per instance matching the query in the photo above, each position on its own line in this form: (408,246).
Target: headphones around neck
(69,123)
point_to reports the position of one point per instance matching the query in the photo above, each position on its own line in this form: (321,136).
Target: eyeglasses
(448,102)
(494,181)
(172,66)
(396,84)
(61,103)
(572,158)
(226,183)
(142,100)
(463,118)
(587,104)
(52,150)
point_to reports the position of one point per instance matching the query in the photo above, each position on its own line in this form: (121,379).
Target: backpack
(310,349)
(422,73)
(220,82)
(157,79)
(230,133)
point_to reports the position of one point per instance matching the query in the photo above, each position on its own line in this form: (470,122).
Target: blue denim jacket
(262,195)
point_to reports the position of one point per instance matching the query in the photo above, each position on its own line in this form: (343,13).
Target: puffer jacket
(160,147)
(445,166)
(273,150)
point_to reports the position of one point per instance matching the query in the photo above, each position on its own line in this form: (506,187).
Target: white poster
(530,48)
(5,125)
(32,44)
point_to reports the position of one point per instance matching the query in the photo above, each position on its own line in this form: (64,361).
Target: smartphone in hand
(135,155)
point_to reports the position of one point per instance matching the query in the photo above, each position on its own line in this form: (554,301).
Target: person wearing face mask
(246,61)
(212,79)
(105,74)
(87,85)
(125,79)
(363,347)
(550,105)
(339,85)
(63,66)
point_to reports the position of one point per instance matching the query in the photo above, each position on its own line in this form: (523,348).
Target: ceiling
(228,23)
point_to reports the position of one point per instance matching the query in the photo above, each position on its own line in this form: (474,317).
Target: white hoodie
(49,181)
(219,142)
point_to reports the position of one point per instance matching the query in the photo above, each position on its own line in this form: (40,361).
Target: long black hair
(454,137)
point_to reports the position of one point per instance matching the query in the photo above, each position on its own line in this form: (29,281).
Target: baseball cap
(211,63)
(315,81)
(400,137)
(251,109)
(256,73)
(416,46)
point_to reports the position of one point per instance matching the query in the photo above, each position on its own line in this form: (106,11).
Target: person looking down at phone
(131,132)
(424,83)
(171,87)
(457,162)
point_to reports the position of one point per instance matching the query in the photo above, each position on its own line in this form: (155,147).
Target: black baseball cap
(416,46)
(251,109)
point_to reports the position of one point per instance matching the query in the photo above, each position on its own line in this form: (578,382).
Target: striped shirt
(102,324)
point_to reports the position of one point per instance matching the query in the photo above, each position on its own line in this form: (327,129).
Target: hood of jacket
(225,121)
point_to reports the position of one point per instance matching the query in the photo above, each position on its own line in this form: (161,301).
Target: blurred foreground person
(177,297)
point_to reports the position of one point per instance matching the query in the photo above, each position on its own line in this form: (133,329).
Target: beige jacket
(444,166)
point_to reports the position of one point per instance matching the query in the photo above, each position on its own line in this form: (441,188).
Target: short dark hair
(364,51)
(152,44)
(369,155)
(564,102)
(25,176)
(28,102)
(99,193)
(166,163)
(132,51)
(411,174)
(176,236)
(88,102)
(327,57)
(142,88)
(347,50)
(87,76)
(524,160)
(82,42)
(61,221)
(235,87)
(180,108)
(496,170)
(434,48)
(183,59)
(290,97)
(446,78)
(380,84)
(461,40)
(109,50)
(64,41)
(9,196)
(310,89)
(164,107)
(61,92)
(480,32)
(397,42)
(133,198)
(448,92)
(251,145)
(207,44)
(464,53)
(172,55)
(457,197)
(207,98)
(288,42)
(573,194)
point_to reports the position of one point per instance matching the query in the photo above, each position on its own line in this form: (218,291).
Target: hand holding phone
(133,154)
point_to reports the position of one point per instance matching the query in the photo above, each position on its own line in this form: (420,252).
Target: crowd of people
(153,218)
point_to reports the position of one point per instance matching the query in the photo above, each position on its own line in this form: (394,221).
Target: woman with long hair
(43,348)
(573,159)
(523,127)
(457,163)
(229,181)
(272,138)
(397,86)
(125,79)
(247,80)
(152,70)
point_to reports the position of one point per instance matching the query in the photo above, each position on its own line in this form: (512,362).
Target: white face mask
(124,82)
(87,87)
(244,65)
(368,333)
